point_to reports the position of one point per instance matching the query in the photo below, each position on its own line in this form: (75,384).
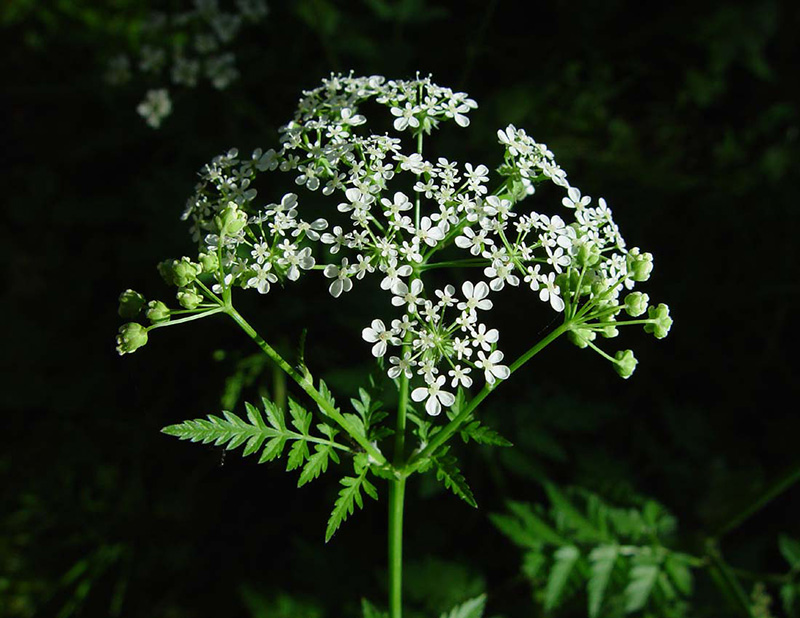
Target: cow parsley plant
(395,216)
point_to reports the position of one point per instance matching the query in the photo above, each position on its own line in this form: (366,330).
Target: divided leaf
(565,559)
(643,577)
(368,610)
(790,550)
(267,430)
(602,559)
(469,609)
(349,497)
(447,471)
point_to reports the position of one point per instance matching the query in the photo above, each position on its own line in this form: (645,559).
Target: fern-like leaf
(448,473)
(565,559)
(349,497)
(642,578)
(602,559)
(317,463)
(469,609)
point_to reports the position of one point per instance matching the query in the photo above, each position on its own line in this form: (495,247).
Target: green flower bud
(209,262)
(640,265)
(588,254)
(185,272)
(610,331)
(231,220)
(661,322)
(130,304)
(582,336)
(636,304)
(157,311)
(167,271)
(626,363)
(131,337)
(189,299)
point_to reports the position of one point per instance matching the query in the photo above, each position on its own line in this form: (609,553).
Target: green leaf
(317,463)
(532,563)
(537,526)
(677,567)
(368,610)
(565,559)
(349,497)
(469,609)
(602,560)
(570,518)
(447,471)
(640,585)
(790,550)
(297,455)
(275,415)
(789,593)
(273,449)
(301,418)
(482,434)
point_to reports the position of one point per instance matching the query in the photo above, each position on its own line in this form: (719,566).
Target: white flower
(155,107)
(341,278)
(436,398)
(484,338)
(405,117)
(491,370)
(574,199)
(550,291)
(376,333)
(403,295)
(459,375)
(400,366)
(475,297)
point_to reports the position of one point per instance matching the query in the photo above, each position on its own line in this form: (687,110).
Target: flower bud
(157,311)
(231,220)
(588,254)
(130,304)
(184,272)
(581,336)
(626,363)
(131,337)
(661,322)
(640,265)
(636,304)
(610,330)
(189,299)
(209,262)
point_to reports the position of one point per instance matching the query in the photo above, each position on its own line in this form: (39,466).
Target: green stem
(444,435)
(307,386)
(397,490)
(197,316)
(726,579)
(772,492)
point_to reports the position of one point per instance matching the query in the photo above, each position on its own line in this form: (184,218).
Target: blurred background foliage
(684,115)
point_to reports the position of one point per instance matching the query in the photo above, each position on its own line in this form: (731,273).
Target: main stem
(397,492)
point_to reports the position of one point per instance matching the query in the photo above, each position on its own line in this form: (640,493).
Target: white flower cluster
(188,46)
(397,211)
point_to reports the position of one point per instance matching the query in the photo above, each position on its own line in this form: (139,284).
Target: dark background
(684,117)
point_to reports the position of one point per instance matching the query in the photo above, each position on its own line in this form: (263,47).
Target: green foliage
(790,590)
(350,496)
(469,609)
(436,585)
(269,431)
(368,610)
(473,429)
(620,556)
(447,472)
